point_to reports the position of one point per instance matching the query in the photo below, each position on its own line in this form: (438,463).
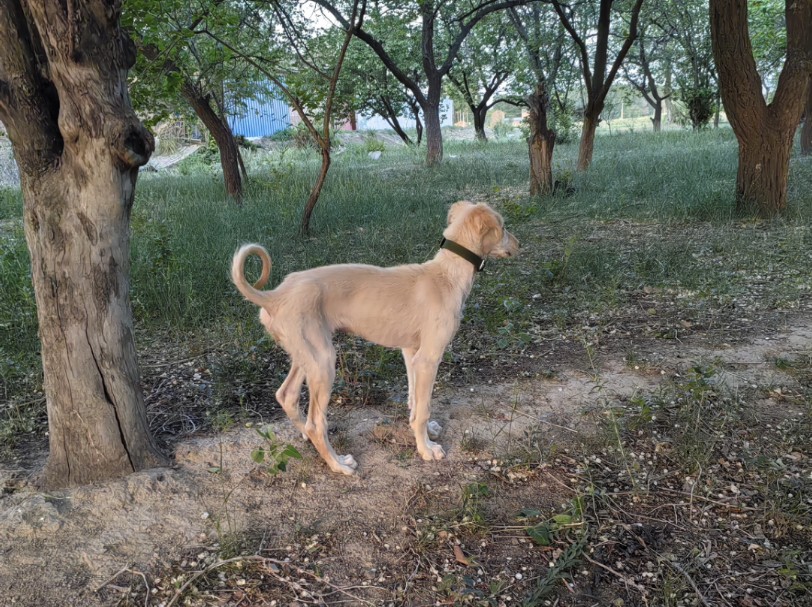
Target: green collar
(477,261)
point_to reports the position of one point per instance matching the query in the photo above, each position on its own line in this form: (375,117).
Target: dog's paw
(345,464)
(433,452)
(434,429)
(347,460)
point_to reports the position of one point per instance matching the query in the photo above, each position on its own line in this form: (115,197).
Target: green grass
(653,216)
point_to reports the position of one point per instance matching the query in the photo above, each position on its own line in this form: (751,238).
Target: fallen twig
(265,560)
(133,572)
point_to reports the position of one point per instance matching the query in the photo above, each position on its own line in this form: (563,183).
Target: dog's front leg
(432,427)
(425,372)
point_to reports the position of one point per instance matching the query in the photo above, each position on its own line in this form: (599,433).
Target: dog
(415,308)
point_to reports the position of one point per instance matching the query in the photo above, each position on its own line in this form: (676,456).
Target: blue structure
(266,113)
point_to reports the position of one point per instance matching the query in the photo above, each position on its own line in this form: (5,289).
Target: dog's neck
(467,254)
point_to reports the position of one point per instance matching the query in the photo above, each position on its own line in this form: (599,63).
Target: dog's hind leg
(289,394)
(425,372)
(432,427)
(321,373)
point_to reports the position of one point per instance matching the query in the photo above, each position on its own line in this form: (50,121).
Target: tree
(599,76)
(693,65)
(806,129)
(485,61)
(444,26)
(764,131)
(543,44)
(175,66)
(375,90)
(78,145)
(642,68)
(313,64)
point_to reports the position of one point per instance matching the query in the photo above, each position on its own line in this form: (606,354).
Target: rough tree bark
(205,107)
(540,143)
(78,144)
(765,132)
(220,131)
(806,129)
(431,116)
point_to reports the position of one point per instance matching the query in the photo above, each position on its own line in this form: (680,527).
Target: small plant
(273,456)
(545,532)
(502,130)
(373,144)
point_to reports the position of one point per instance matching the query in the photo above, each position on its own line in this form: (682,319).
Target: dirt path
(60,548)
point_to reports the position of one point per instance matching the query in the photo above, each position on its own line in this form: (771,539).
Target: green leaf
(290,452)
(562,519)
(529,513)
(541,534)
(258,455)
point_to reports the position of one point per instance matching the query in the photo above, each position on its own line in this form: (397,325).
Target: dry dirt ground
(400,532)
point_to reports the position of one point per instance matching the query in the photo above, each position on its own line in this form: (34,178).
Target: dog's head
(481,229)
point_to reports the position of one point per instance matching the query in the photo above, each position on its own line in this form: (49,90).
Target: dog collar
(477,261)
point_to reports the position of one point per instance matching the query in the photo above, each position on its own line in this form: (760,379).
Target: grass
(651,224)
(647,249)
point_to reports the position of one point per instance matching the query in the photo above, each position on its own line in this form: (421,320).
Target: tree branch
(579,43)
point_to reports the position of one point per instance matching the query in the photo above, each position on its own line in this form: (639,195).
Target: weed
(273,456)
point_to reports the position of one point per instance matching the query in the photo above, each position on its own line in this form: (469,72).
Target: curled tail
(251,293)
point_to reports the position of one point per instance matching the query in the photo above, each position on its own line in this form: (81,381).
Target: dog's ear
(488,225)
(453,212)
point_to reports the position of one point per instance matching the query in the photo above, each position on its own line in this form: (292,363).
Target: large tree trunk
(431,115)
(587,145)
(223,137)
(78,177)
(806,129)
(434,134)
(761,181)
(540,143)
(765,132)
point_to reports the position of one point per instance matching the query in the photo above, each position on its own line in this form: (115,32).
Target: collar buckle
(475,260)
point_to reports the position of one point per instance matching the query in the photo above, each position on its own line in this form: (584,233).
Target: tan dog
(415,308)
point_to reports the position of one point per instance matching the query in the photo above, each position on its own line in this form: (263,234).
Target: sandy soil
(63,548)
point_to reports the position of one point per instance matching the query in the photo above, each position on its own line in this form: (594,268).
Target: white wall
(376,123)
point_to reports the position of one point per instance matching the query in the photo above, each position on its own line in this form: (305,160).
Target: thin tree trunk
(243,172)
(479,113)
(540,143)
(391,117)
(316,191)
(221,132)
(78,181)
(418,126)
(587,144)
(395,124)
(718,109)
(657,120)
(806,129)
